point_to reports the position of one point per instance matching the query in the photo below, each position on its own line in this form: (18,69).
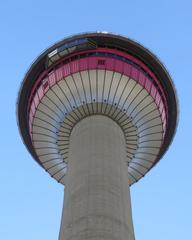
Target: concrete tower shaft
(97,200)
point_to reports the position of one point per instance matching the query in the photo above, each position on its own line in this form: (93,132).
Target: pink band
(60,70)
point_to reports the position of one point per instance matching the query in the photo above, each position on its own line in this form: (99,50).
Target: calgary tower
(97,111)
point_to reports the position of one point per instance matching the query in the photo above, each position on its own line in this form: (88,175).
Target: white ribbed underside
(97,92)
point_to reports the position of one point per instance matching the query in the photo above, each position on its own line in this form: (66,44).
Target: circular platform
(97,74)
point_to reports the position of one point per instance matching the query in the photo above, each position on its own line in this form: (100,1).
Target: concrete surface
(97,202)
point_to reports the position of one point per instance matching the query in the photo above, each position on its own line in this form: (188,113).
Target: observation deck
(97,74)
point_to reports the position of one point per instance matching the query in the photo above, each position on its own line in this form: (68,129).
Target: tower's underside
(97,111)
(84,87)
(97,200)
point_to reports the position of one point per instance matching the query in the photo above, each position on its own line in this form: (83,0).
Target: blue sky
(30,201)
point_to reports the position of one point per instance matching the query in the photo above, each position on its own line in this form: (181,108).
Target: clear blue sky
(30,201)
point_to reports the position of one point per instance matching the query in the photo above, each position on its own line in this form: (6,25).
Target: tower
(97,111)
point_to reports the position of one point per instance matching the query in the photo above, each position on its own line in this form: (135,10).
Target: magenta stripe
(88,63)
